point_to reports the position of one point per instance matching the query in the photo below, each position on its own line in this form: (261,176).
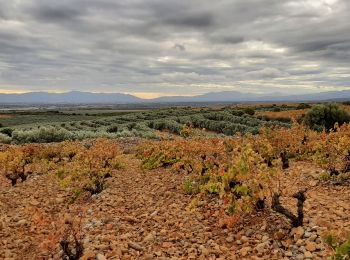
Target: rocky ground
(146,215)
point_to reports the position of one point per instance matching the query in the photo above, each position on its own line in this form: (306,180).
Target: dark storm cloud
(56,14)
(230,39)
(191,20)
(179,47)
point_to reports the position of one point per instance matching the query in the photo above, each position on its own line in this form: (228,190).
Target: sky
(152,48)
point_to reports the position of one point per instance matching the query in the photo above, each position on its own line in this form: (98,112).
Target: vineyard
(226,182)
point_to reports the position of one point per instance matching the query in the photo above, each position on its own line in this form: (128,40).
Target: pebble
(308,254)
(22,222)
(148,238)
(245,251)
(300,242)
(298,233)
(249,232)
(135,246)
(265,238)
(310,246)
(244,239)
(229,239)
(88,256)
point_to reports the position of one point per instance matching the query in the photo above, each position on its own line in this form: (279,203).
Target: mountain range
(77,97)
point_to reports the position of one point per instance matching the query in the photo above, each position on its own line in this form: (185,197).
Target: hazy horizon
(153,48)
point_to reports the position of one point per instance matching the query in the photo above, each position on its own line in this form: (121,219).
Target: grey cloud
(191,20)
(184,46)
(179,47)
(56,14)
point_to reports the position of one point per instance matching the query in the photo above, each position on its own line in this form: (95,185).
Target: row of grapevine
(245,170)
(80,166)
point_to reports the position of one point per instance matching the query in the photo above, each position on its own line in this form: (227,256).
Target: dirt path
(144,215)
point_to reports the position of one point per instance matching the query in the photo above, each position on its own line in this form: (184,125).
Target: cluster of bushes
(168,125)
(325,117)
(285,120)
(41,135)
(51,134)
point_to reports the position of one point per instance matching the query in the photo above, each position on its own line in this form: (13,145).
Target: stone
(204,251)
(308,254)
(59,200)
(109,226)
(299,257)
(310,246)
(314,228)
(249,232)
(300,242)
(244,239)
(154,213)
(131,219)
(297,233)
(279,235)
(229,239)
(167,244)
(307,234)
(260,248)
(88,256)
(135,246)
(100,257)
(148,238)
(265,238)
(313,238)
(34,202)
(245,251)
(313,183)
(22,222)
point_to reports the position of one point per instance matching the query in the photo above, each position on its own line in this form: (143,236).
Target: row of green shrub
(51,134)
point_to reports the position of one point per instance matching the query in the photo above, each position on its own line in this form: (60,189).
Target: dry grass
(6,116)
(292,114)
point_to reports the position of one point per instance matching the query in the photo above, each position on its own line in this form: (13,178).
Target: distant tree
(303,106)
(7,131)
(249,111)
(325,116)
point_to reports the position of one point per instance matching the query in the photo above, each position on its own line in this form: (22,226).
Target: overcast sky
(183,47)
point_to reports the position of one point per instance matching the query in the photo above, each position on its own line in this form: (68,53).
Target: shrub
(249,111)
(112,129)
(341,251)
(303,106)
(7,131)
(5,139)
(41,135)
(325,117)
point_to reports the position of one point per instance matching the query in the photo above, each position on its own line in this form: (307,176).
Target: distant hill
(235,96)
(77,97)
(73,97)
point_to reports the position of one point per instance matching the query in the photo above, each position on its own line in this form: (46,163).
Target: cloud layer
(175,47)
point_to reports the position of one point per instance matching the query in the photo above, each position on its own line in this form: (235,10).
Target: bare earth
(146,215)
